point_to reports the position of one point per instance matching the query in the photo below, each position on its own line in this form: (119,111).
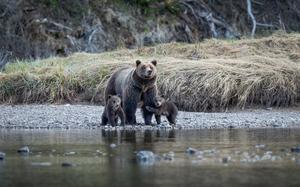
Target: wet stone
(113,145)
(2,156)
(169,156)
(68,164)
(295,149)
(24,149)
(99,152)
(42,164)
(145,157)
(191,151)
(70,153)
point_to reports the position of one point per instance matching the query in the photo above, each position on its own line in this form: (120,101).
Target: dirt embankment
(43,28)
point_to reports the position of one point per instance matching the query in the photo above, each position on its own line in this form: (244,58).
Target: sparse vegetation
(209,76)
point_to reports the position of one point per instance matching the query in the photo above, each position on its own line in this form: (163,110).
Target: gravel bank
(89,117)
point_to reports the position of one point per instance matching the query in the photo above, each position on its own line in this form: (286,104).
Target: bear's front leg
(148,97)
(158,119)
(147,116)
(111,119)
(156,112)
(121,114)
(104,119)
(131,97)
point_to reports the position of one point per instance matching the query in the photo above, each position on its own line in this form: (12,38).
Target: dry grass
(209,76)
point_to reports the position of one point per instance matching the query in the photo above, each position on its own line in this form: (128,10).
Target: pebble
(225,160)
(260,146)
(85,117)
(113,145)
(24,149)
(70,153)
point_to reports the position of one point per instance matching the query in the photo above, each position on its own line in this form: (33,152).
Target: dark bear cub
(112,111)
(165,108)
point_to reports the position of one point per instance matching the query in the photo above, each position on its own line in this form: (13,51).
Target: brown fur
(134,85)
(165,108)
(112,111)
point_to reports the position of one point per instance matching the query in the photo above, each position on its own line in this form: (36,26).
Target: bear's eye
(144,67)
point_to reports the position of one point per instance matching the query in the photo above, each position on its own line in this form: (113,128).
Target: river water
(232,157)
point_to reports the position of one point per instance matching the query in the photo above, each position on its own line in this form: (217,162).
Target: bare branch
(249,9)
(45,20)
(3,59)
(200,11)
(264,25)
(4,13)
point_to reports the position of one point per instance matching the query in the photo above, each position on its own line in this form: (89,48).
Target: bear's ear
(138,62)
(109,96)
(154,62)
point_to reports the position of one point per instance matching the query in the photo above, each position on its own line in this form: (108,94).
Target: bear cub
(112,111)
(165,108)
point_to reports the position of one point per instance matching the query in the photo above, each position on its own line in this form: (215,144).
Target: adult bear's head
(146,70)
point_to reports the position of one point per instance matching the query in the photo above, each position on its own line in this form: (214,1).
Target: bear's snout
(157,104)
(149,72)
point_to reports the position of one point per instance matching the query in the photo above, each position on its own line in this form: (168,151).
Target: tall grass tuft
(211,76)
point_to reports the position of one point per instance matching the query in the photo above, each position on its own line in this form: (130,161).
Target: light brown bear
(165,108)
(134,85)
(112,111)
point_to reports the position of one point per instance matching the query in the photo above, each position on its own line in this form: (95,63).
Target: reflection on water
(254,157)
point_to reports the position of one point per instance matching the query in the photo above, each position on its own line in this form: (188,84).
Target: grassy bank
(210,76)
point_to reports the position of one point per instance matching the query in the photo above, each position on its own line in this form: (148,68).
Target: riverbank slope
(215,75)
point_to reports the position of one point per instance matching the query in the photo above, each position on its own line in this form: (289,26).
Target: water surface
(248,157)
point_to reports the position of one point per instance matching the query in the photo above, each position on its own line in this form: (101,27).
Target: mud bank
(89,117)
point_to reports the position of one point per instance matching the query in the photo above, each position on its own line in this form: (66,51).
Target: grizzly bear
(134,85)
(165,108)
(112,111)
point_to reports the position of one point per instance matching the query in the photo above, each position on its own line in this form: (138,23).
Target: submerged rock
(98,152)
(24,149)
(191,151)
(70,153)
(2,156)
(145,157)
(68,164)
(295,149)
(169,156)
(41,164)
(267,156)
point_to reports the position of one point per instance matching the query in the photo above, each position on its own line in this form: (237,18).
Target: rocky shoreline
(89,117)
